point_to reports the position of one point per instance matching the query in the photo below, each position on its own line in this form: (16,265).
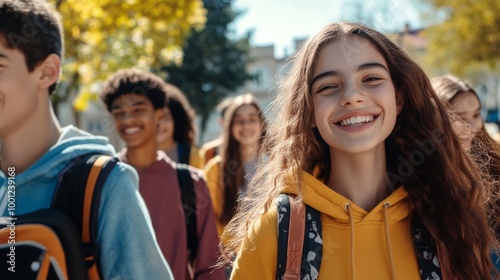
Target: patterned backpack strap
(427,256)
(283,205)
(300,244)
(313,244)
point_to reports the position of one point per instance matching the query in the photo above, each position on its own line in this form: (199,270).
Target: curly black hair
(133,81)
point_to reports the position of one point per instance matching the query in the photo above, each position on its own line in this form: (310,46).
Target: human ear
(50,69)
(399,101)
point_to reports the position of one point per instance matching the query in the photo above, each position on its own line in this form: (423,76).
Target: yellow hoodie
(257,258)
(212,177)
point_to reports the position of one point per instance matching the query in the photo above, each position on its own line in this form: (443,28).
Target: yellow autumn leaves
(102,36)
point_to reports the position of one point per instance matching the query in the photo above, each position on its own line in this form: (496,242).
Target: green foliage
(213,65)
(467,38)
(102,36)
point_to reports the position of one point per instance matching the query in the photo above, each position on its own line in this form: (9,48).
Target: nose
(126,118)
(352,95)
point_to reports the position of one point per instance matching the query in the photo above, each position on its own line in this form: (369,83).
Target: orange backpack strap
(295,240)
(78,195)
(300,245)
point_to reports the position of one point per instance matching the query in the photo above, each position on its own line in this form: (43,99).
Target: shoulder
(195,158)
(121,185)
(258,254)
(196,174)
(211,145)
(212,169)
(124,173)
(213,163)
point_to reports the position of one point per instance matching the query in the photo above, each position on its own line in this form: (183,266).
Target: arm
(212,174)
(208,240)
(128,248)
(257,258)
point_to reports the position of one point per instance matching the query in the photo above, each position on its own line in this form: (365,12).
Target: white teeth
(131,130)
(357,120)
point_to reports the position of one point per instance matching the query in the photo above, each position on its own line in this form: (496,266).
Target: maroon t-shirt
(159,186)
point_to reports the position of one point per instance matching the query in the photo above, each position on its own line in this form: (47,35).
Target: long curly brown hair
(444,190)
(484,150)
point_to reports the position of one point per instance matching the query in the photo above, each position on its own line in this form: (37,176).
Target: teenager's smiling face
(355,103)
(135,119)
(247,125)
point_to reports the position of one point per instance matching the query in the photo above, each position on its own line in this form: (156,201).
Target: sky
(279,22)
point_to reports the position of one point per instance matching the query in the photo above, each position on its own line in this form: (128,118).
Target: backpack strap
(183,152)
(78,194)
(300,245)
(188,197)
(427,255)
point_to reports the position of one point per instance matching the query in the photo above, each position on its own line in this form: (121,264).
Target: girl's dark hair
(183,115)
(133,81)
(232,164)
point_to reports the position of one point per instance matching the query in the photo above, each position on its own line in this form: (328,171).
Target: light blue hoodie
(128,248)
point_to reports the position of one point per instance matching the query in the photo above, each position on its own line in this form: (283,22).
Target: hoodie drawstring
(351,222)
(388,240)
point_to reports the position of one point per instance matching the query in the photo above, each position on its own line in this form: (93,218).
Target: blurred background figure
(210,149)
(464,105)
(176,130)
(229,173)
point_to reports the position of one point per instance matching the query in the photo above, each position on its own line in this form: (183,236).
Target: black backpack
(300,245)
(59,242)
(188,198)
(183,152)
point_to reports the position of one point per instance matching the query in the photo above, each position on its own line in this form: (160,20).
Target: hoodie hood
(322,198)
(35,186)
(73,142)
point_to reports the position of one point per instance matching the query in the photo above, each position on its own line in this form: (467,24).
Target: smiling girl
(360,136)
(228,175)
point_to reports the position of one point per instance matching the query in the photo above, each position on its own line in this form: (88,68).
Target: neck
(362,178)
(249,152)
(142,156)
(25,144)
(166,145)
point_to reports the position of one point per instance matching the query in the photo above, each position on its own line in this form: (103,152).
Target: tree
(102,36)
(213,65)
(467,38)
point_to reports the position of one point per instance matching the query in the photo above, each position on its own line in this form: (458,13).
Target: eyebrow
(478,110)
(360,68)
(241,115)
(3,56)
